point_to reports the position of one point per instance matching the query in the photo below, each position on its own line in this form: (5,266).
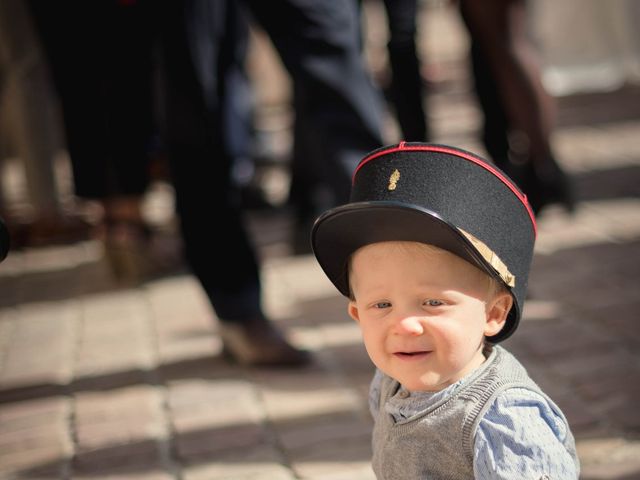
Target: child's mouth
(412,355)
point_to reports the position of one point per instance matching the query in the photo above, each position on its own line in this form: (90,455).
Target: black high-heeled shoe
(548,187)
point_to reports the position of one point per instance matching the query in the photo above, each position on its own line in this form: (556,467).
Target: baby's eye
(433,303)
(382,305)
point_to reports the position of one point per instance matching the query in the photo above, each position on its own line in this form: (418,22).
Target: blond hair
(494,287)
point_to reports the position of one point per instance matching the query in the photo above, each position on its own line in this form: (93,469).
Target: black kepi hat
(438,195)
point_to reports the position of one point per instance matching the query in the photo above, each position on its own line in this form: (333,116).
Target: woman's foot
(550,185)
(542,186)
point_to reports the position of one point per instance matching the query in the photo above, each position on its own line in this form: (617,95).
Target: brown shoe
(258,343)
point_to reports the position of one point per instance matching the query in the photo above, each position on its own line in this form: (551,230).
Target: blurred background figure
(5,242)
(30,134)
(518,113)
(407,90)
(101,57)
(318,43)
(337,111)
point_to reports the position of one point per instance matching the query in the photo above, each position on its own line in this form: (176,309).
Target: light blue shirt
(518,436)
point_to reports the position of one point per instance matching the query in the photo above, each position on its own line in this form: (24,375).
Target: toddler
(433,251)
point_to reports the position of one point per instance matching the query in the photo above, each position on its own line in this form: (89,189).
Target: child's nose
(410,325)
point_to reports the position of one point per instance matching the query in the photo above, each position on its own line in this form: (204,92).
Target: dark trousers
(406,85)
(100,55)
(318,44)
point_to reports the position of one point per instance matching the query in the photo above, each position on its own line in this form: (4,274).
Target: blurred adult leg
(407,87)
(217,246)
(499,28)
(337,109)
(319,43)
(100,55)
(495,128)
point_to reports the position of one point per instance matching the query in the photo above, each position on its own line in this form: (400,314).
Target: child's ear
(352,310)
(497,311)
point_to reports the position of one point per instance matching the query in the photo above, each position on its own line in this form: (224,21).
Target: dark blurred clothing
(318,43)
(407,86)
(519,113)
(101,55)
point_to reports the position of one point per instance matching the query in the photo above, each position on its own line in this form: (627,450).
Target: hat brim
(338,233)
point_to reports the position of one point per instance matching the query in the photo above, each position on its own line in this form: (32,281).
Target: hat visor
(338,233)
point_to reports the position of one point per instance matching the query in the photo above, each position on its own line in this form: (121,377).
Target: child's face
(423,312)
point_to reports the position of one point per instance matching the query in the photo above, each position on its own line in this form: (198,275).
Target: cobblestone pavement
(100,381)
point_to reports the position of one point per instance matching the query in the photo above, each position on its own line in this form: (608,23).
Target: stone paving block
(45,463)
(612,186)
(344,471)
(626,145)
(292,285)
(30,413)
(291,395)
(184,321)
(455,123)
(115,335)
(607,388)
(616,471)
(622,217)
(305,328)
(550,382)
(300,276)
(621,321)
(205,444)
(335,456)
(41,346)
(216,400)
(341,333)
(558,339)
(588,365)
(579,277)
(119,460)
(120,427)
(8,323)
(608,458)
(559,232)
(625,415)
(345,348)
(223,471)
(35,435)
(259,462)
(583,147)
(137,409)
(10,280)
(307,433)
(582,418)
(53,273)
(618,218)
(210,416)
(46,453)
(128,475)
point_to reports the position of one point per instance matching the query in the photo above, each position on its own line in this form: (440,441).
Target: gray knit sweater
(438,443)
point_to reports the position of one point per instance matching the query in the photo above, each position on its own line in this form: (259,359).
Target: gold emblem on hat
(393,180)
